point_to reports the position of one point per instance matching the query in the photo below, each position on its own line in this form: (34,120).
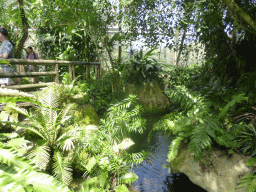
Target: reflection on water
(153,172)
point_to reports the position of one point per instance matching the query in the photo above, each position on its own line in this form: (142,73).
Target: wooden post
(88,72)
(96,72)
(73,72)
(56,69)
(70,72)
(71,69)
(18,80)
(35,79)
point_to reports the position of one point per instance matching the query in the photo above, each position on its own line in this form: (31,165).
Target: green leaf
(129,178)
(91,163)
(121,188)
(173,149)
(125,144)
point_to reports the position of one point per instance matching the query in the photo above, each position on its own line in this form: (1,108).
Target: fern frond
(236,99)
(249,181)
(173,149)
(164,124)
(136,158)
(202,136)
(91,163)
(19,144)
(61,169)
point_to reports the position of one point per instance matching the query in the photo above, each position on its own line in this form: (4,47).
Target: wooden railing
(55,72)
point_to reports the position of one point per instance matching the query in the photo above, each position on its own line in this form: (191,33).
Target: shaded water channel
(153,171)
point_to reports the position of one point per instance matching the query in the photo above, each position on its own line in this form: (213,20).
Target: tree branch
(232,6)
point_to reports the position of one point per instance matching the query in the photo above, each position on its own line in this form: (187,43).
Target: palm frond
(61,168)
(66,142)
(7,136)
(40,155)
(17,179)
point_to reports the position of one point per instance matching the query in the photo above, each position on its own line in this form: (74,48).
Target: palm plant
(51,135)
(20,174)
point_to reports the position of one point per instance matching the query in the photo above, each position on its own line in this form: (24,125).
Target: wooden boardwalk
(54,73)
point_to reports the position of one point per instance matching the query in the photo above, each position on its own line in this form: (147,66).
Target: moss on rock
(85,114)
(150,96)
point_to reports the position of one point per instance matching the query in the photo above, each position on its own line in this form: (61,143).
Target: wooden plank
(18,104)
(26,74)
(47,62)
(27,86)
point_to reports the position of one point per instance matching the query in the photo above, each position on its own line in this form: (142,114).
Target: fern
(248,181)
(173,149)
(189,102)
(124,118)
(236,99)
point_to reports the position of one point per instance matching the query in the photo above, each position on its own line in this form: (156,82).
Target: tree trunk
(181,45)
(114,80)
(25,26)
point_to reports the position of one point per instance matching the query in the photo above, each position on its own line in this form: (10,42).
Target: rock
(150,96)
(85,114)
(218,173)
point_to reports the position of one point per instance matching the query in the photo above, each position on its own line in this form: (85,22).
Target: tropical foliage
(211,106)
(58,146)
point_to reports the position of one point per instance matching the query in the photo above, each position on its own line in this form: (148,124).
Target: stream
(153,172)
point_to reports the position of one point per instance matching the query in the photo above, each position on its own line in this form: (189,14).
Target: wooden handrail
(54,73)
(47,62)
(26,74)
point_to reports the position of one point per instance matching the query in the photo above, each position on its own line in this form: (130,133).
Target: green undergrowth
(208,112)
(52,146)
